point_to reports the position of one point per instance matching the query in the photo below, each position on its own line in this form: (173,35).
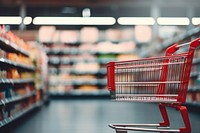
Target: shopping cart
(163,80)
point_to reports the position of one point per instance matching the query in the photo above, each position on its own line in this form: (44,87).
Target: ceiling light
(136,21)
(173,21)
(74,21)
(56,20)
(98,21)
(196,21)
(27,20)
(12,20)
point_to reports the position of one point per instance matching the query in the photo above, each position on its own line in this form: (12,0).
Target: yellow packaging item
(13,57)
(126,57)
(21,91)
(88,87)
(15,74)
(26,75)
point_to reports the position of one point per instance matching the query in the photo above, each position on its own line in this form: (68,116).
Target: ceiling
(99,8)
(60,2)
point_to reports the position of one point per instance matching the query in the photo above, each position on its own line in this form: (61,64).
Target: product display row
(79,67)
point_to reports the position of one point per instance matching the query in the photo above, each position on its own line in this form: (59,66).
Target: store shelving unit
(87,79)
(193,96)
(18,93)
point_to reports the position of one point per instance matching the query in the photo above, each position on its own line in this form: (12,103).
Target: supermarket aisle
(93,116)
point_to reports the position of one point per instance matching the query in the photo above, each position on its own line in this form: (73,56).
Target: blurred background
(54,53)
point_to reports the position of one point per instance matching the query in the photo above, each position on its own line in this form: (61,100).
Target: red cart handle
(193,45)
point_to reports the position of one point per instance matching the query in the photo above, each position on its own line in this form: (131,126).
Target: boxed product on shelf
(126,57)
(2,95)
(89,35)
(15,109)
(104,58)
(2,54)
(69,36)
(86,57)
(127,34)
(139,34)
(198,96)
(82,67)
(12,57)
(13,74)
(113,35)
(16,40)
(3,74)
(87,47)
(1,116)
(45,33)
(105,47)
(88,88)
(85,78)
(197,54)
(61,89)
(109,47)
(26,75)
(5,113)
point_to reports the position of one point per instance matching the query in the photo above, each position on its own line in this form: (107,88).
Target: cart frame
(119,92)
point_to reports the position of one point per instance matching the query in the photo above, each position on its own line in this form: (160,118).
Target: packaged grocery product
(113,35)
(2,95)
(89,34)
(69,36)
(14,74)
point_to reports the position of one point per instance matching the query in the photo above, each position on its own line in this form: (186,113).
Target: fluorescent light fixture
(12,20)
(173,21)
(74,21)
(56,21)
(136,21)
(98,21)
(196,21)
(27,20)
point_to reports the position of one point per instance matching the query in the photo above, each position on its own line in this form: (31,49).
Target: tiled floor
(93,116)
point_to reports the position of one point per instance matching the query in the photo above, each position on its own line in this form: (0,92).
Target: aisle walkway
(93,116)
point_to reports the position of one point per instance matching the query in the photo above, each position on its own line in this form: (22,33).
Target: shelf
(76,51)
(11,47)
(193,103)
(10,63)
(193,88)
(13,99)
(61,43)
(66,61)
(100,71)
(82,93)
(196,61)
(80,82)
(194,74)
(18,115)
(16,81)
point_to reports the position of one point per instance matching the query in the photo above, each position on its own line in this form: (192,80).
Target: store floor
(93,116)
